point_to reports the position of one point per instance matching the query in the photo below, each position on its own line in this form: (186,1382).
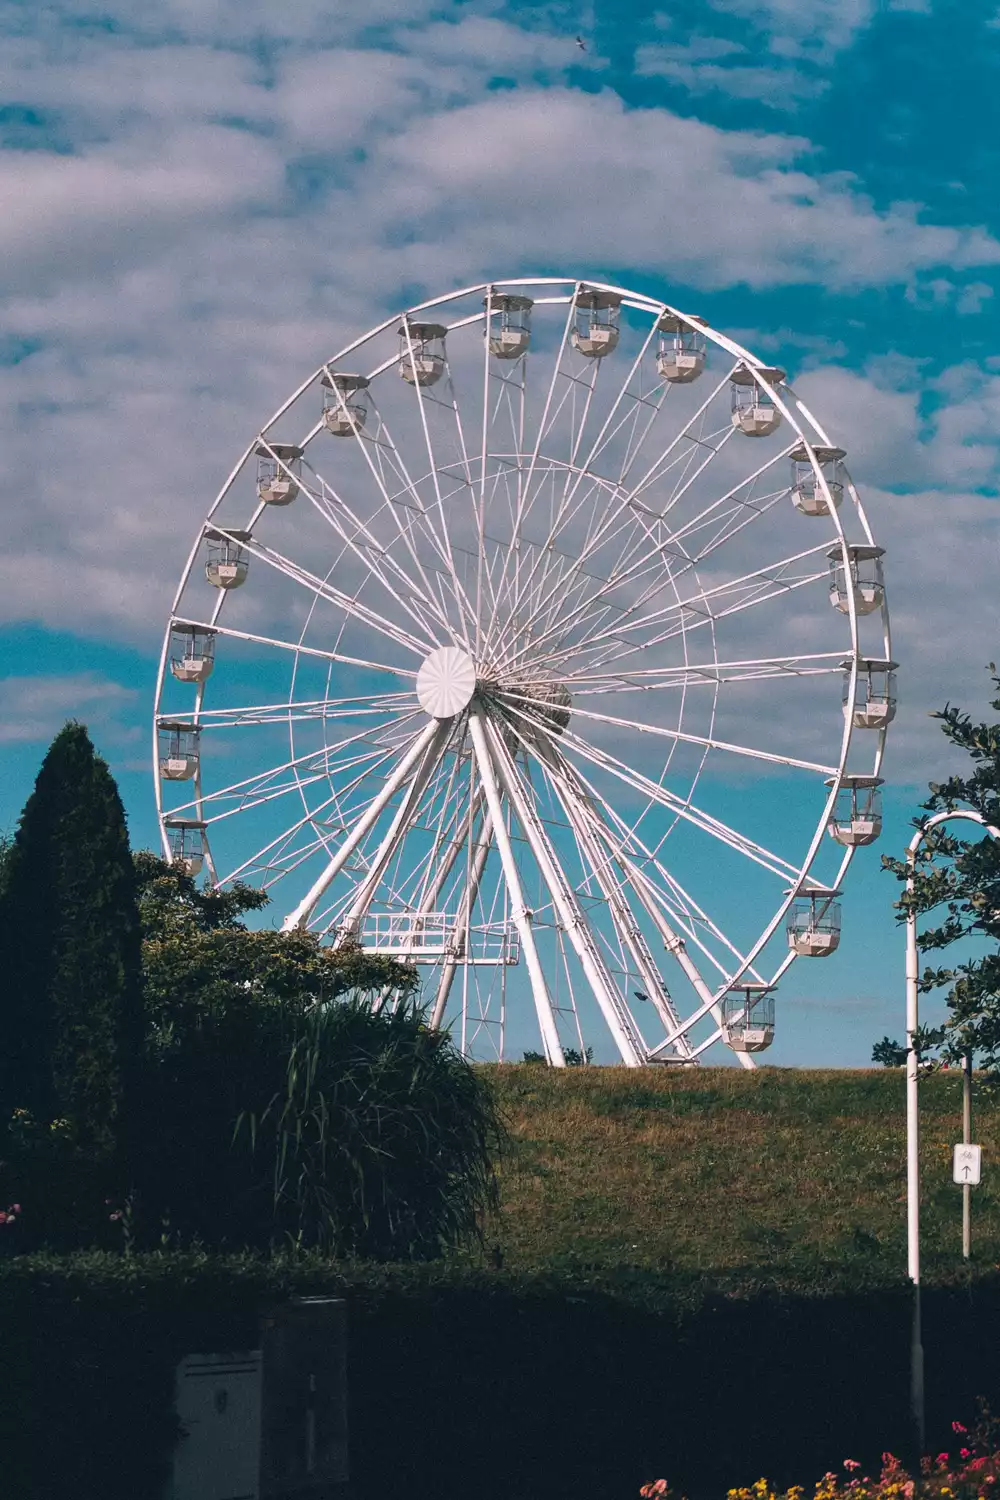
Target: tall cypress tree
(70,981)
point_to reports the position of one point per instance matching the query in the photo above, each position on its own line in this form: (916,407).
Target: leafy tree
(960,879)
(572,1057)
(70,1012)
(889,1053)
(286,1097)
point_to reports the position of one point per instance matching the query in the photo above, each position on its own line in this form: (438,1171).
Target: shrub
(382,1141)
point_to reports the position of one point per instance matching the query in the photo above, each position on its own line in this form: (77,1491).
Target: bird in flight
(581,44)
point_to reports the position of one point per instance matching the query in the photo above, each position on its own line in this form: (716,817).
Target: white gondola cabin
(873,704)
(179,750)
(192,652)
(813,924)
(681,350)
(753,408)
(279,470)
(228,565)
(857,812)
(813,482)
(421,352)
(186,840)
(345,403)
(596,332)
(748,1016)
(860,577)
(509,330)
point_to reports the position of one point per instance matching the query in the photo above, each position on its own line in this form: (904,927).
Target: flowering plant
(972,1473)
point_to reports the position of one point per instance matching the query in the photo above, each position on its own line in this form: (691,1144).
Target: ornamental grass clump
(972,1473)
(382,1141)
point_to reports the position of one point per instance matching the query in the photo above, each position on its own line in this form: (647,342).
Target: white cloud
(175,278)
(35,708)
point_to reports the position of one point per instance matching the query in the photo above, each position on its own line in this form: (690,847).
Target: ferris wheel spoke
(296,649)
(392,506)
(380,564)
(464,604)
(377,705)
(662,462)
(710,674)
(610,880)
(539,631)
(657,909)
(526,479)
(638,727)
(616,418)
(323,589)
(263,786)
(750,590)
(308,820)
(686,809)
(629,849)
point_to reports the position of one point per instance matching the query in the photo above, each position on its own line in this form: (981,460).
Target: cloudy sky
(202,199)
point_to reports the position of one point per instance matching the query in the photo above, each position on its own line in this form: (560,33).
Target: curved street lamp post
(912,1117)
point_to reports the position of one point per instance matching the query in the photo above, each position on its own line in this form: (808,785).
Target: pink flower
(965,1452)
(957,1427)
(851,1463)
(15,1208)
(5,1219)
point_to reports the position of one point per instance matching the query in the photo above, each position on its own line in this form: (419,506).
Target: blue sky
(203,199)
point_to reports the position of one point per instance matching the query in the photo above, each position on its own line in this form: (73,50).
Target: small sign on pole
(967,1164)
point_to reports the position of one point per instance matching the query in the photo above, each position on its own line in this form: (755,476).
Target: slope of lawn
(733,1177)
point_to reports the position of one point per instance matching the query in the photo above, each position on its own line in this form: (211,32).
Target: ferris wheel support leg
(519,910)
(462,927)
(365,823)
(350,921)
(632,1049)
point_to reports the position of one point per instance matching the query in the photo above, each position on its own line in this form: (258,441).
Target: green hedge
(465,1380)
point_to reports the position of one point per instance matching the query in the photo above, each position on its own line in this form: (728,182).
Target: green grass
(732,1177)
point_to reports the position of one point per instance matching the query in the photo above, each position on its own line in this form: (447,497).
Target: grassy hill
(714,1173)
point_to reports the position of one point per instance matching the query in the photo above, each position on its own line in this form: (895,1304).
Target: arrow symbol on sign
(966,1169)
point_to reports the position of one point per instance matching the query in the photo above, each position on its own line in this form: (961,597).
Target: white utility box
(217,1456)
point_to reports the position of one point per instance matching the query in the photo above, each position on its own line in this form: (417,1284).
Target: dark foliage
(595,1386)
(382,1142)
(572,1056)
(70,1016)
(292,1092)
(889,1053)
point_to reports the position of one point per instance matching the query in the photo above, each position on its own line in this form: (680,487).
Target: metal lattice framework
(515,645)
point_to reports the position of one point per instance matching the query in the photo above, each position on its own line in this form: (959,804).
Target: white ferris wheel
(539,639)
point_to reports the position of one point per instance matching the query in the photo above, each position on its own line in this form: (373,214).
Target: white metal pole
(519,909)
(569,913)
(966,1138)
(912,1114)
(300,915)
(352,918)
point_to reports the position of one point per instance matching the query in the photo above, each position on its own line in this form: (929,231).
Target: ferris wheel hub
(446,682)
